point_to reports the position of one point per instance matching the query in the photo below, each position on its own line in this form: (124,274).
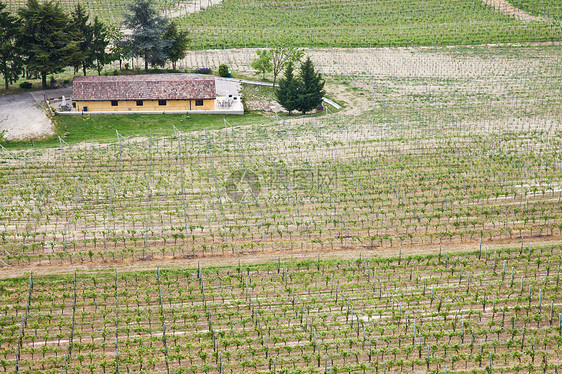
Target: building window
(139,102)
(114,103)
(198,102)
(161,102)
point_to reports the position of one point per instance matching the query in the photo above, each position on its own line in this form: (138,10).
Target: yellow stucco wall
(148,105)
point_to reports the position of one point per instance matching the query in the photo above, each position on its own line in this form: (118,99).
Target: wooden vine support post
(219,197)
(243,161)
(116,325)
(111,207)
(184,201)
(163,324)
(148,178)
(24,323)
(71,334)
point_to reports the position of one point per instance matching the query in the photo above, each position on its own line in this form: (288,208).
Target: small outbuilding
(144,93)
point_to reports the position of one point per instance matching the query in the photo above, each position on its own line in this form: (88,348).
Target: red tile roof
(143,87)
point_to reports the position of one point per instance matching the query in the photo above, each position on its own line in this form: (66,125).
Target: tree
(119,47)
(11,63)
(178,42)
(312,88)
(100,42)
(44,38)
(302,93)
(282,55)
(82,35)
(287,93)
(223,70)
(148,29)
(263,63)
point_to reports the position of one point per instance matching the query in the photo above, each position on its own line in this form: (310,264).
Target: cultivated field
(111,11)
(544,8)
(454,147)
(345,23)
(315,186)
(480,313)
(342,23)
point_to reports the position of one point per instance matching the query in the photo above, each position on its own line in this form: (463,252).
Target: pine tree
(312,88)
(288,90)
(100,40)
(11,62)
(82,36)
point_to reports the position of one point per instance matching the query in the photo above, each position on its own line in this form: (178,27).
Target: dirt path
(190,7)
(504,7)
(262,257)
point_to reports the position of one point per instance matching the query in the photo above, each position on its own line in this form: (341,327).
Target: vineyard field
(343,23)
(481,312)
(111,11)
(445,150)
(417,228)
(338,23)
(541,8)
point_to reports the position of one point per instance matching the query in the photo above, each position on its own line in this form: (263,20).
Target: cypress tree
(312,88)
(288,90)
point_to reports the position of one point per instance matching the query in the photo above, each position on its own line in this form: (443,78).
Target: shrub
(203,71)
(223,70)
(26,85)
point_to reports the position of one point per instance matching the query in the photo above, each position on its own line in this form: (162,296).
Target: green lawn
(101,128)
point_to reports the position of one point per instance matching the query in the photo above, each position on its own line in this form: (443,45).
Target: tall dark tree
(148,29)
(44,38)
(82,34)
(288,90)
(178,43)
(100,41)
(11,62)
(312,88)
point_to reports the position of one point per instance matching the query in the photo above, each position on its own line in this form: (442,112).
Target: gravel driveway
(226,87)
(23,117)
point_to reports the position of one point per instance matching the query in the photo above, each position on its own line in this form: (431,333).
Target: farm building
(144,93)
